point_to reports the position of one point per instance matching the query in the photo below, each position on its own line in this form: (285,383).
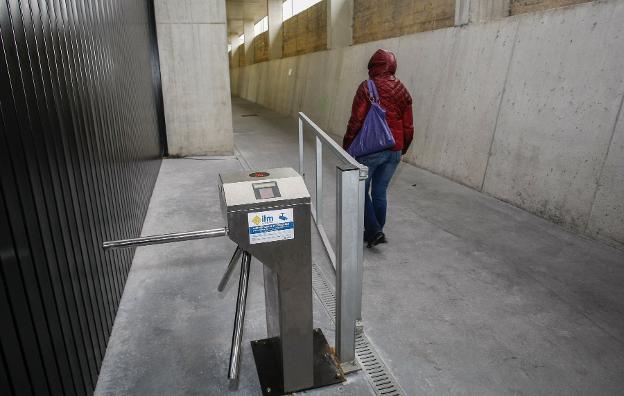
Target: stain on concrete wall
(237,57)
(607,214)
(381,19)
(522,6)
(261,47)
(306,32)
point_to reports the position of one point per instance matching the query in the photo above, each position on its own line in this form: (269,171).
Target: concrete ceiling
(241,10)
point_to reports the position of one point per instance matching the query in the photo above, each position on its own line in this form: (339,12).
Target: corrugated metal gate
(80,145)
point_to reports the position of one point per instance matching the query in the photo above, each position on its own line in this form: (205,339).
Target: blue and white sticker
(271,226)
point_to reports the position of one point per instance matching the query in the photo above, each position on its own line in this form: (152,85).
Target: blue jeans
(381,167)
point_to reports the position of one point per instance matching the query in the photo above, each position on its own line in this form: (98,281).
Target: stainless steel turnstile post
(268,215)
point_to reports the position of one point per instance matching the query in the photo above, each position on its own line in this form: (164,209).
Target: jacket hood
(382,63)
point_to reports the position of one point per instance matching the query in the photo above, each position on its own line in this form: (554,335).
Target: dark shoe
(379,237)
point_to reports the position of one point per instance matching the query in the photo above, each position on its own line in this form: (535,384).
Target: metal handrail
(322,138)
(335,147)
(348,257)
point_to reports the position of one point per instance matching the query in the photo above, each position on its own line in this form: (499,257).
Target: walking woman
(394,98)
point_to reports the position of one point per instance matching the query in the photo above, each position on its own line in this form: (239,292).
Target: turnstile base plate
(266,352)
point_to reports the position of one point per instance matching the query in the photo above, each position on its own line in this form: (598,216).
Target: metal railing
(348,256)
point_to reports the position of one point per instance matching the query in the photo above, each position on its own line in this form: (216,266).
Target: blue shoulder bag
(375,134)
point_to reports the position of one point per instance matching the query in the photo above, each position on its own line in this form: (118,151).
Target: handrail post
(319,182)
(348,271)
(360,245)
(301,172)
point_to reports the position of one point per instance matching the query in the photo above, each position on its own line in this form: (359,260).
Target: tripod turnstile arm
(165,238)
(239,317)
(230,268)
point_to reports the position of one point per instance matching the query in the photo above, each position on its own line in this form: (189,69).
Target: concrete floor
(471,296)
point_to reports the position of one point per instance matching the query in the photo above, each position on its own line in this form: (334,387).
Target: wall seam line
(604,162)
(500,105)
(334,95)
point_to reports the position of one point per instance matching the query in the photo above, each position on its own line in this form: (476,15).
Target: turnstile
(268,217)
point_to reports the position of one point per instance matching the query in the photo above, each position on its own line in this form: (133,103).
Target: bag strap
(372,90)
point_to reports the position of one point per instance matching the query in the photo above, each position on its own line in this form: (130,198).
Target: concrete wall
(522,6)
(193,58)
(523,108)
(380,19)
(481,10)
(306,32)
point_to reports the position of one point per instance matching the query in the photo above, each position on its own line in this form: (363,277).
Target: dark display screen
(266,190)
(266,193)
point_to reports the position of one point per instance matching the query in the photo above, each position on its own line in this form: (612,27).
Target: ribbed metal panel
(80,145)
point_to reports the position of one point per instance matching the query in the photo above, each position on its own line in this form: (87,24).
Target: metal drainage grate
(324,292)
(379,377)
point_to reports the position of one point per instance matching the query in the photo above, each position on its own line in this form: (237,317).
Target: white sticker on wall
(271,226)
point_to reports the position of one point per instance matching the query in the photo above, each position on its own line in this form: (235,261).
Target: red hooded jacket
(393,97)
